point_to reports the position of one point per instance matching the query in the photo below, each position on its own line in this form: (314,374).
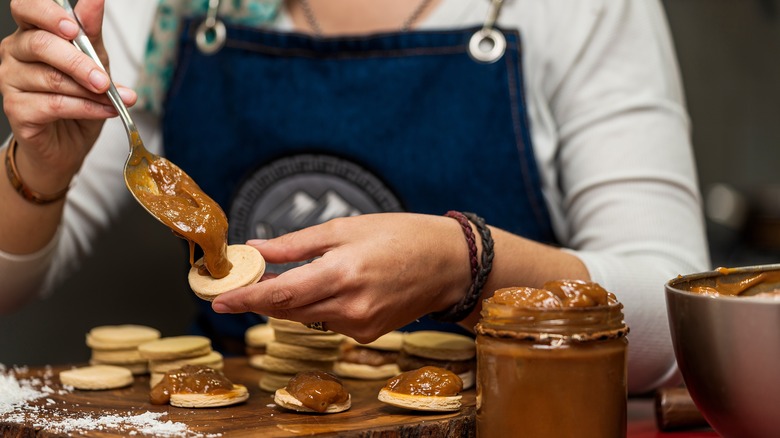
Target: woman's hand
(372,273)
(54,95)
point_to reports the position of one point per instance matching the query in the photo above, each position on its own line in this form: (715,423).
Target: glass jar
(551,372)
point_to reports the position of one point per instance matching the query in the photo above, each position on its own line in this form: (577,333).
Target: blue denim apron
(286,130)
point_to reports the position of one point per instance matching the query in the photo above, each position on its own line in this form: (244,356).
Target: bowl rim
(672,287)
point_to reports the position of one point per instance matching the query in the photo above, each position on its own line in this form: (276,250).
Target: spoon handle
(82,42)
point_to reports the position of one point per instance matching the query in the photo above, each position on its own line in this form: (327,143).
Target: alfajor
(118,345)
(248,267)
(374,360)
(314,391)
(174,352)
(197,386)
(295,348)
(425,389)
(451,351)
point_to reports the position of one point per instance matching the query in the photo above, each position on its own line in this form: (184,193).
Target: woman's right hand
(54,95)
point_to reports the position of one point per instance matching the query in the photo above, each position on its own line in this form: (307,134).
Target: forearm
(26,227)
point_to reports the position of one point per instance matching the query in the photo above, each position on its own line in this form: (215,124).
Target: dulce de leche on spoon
(167,192)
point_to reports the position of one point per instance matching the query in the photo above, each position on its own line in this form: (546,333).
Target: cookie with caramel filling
(248,267)
(197,386)
(371,361)
(452,351)
(314,391)
(425,389)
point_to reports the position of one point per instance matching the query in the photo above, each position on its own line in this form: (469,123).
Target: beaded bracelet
(461,310)
(18,184)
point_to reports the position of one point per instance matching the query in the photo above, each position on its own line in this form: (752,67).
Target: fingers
(90,14)
(38,108)
(301,245)
(45,37)
(44,77)
(41,47)
(43,14)
(282,296)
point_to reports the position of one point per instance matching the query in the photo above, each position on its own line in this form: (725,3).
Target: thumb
(90,14)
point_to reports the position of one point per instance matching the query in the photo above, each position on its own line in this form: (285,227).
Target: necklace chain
(312,21)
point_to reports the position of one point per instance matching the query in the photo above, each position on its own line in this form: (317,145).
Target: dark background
(728,52)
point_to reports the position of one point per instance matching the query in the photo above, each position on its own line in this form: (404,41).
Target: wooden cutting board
(257,417)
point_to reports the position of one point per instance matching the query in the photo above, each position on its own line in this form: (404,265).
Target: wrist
(480,268)
(37,187)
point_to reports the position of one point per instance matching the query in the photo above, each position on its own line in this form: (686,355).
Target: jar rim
(575,324)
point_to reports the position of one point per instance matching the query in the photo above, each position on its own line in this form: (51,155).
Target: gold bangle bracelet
(18,184)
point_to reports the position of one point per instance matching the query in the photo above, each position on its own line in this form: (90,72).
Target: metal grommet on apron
(488,44)
(211,34)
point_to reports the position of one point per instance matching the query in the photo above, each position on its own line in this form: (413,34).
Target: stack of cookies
(118,345)
(451,351)
(170,353)
(372,361)
(295,348)
(257,338)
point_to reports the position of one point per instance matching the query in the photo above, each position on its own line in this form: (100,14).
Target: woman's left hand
(371,273)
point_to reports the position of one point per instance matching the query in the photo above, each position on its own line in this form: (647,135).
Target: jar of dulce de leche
(551,363)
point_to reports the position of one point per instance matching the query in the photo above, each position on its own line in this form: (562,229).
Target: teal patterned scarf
(160,55)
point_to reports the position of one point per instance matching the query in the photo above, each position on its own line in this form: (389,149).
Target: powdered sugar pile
(20,403)
(15,393)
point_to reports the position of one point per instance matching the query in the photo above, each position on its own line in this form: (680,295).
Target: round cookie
(155,378)
(259,335)
(284,325)
(137,369)
(175,347)
(283,365)
(118,357)
(428,388)
(97,377)
(291,351)
(213,360)
(365,372)
(332,340)
(248,267)
(120,337)
(439,345)
(272,381)
(392,341)
(362,361)
(420,402)
(238,394)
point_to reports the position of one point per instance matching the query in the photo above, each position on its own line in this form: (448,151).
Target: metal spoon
(136,171)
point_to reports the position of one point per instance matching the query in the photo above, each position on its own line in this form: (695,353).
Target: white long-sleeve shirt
(610,134)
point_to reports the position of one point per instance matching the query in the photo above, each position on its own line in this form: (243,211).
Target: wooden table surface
(259,416)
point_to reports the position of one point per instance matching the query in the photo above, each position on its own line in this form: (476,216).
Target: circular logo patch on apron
(303,190)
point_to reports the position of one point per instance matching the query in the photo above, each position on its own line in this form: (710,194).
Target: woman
(571,141)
